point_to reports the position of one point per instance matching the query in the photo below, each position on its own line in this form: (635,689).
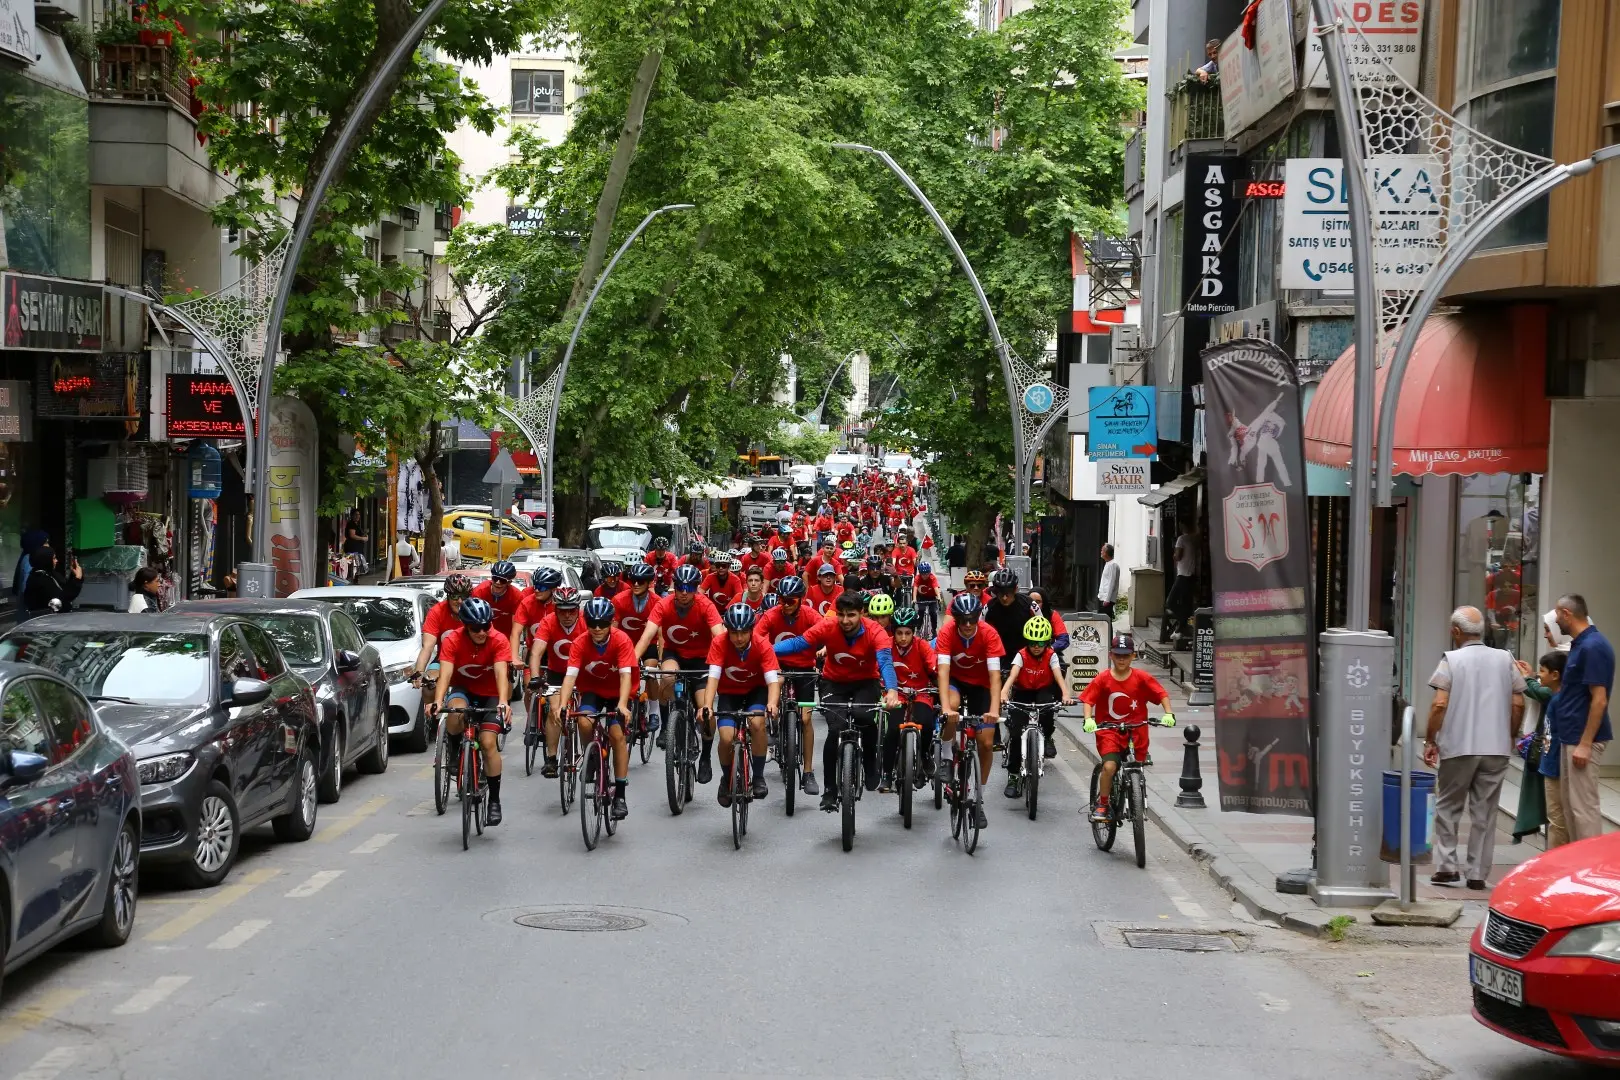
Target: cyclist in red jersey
(1035,679)
(781,565)
(826,556)
(551,642)
(682,624)
(636,604)
(753,593)
(502,594)
(473,662)
(722,586)
(612,580)
(759,553)
(1125,692)
(926,586)
(823,595)
(697,555)
(915,668)
(536,606)
(664,561)
(601,666)
(969,655)
(441,619)
(791,618)
(744,678)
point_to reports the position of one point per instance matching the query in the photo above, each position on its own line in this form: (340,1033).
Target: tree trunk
(433,524)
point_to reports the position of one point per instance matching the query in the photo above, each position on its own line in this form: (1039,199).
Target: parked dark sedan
(224,732)
(70,821)
(323,644)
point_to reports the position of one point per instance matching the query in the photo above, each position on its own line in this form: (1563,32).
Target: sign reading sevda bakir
(1261,572)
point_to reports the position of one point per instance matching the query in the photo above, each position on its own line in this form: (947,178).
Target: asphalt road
(381,949)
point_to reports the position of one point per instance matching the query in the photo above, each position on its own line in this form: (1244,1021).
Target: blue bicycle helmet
(598,612)
(739,616)
(503,571)
(476,614)
(924,568)
(770,601)
(967,605)
(613,568)
(548,577)
(790,586)
(640,572)
(688,577)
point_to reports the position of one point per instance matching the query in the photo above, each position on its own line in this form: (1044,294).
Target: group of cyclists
(776,625)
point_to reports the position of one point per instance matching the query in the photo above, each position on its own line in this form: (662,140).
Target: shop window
(44,177)
(1498,553)
(537,93)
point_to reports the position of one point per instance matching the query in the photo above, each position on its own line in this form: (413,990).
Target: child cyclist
(915,669)
(1035,679)
(1125,692)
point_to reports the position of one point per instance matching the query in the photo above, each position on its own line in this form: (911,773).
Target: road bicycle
(964,791)
(913,766)
(469,771)
(596,777)
(534,727)
(683,744)
(850,779)
(641,733)
(1127,802)
(568,756)
(742,775)
(1033,750)
(927,617)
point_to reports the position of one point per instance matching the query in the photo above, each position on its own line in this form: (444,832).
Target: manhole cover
(580,920)
(1154,939)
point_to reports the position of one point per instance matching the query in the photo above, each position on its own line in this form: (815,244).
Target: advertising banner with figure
(293,492)
(1260,562)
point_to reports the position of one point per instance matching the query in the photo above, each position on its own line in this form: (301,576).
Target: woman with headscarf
(46,583)
(19,576)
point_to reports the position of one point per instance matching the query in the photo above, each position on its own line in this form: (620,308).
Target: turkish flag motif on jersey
(687,633)
(777,626)
(632,615)
(599,668)
(968,659)
(474,664)
(914,668)
(558,640)
(739,674)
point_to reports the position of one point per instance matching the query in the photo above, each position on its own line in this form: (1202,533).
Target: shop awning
(1165,492)
(1473,400)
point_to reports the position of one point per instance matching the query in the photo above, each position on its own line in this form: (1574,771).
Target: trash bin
(1422,817)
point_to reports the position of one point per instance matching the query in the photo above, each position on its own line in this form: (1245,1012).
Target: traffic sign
(1038,398)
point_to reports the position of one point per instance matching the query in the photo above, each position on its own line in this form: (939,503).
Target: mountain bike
(534,727)
(1033,747)
(568,756)
(641,732)
(850,780)
(912,766)
(1127,802)
(596,778)
(681,755)
(965,792)
(786,735)
(742,776)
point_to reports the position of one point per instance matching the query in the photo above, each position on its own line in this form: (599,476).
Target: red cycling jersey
(686,633)
(905,560)
(557,639)
(970,660)
(822,599)
(750,560)
(633,614)
(776,625)
(1034,672)
(1122,701)
(439,619)
(505,607)
(927,586)
(780,570)
(608,592)
(724,592)
(848,659)
(813,566)
(597,668)
(474,665)
(665,563)
(738,674)
(914,668)
(533,610)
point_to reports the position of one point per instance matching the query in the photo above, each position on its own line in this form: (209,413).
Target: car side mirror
(348,660)
(248,692)
(21,766)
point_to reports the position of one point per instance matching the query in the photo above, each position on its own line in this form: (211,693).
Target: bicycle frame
(1033,716)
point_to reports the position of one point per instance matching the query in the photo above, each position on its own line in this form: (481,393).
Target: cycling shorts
(798,686)
(975,700)
(606,704)
(483,722)
(728,706)
(1111,744)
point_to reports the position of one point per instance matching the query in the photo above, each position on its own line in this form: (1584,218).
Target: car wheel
(330,788)
(298,823)
(218,835)
(376,759)
(417,739)
(123,888)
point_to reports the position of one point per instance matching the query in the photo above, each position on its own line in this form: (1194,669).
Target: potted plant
(118,29)
(157,28)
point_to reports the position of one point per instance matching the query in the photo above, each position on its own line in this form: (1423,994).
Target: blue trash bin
(1422,817)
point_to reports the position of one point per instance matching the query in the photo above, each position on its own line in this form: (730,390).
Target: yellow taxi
(486,539)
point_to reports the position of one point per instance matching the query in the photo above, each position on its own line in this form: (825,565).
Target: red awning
(1473,401)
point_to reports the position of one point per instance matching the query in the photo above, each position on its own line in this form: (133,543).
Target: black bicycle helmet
(598,612)
(612,568)
(695,548)
(457,587)
(790,586)
(874,562)
(1004,580)
(641,572)
(503,571)
(688,576)
(661,543)
(549,577)
(967,605)
(476,614)
(739,616)
(905,616)
(566,598)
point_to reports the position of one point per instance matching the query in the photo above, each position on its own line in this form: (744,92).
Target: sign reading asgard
(1209,264)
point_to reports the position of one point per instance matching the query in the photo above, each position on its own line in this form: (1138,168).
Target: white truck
(766,496)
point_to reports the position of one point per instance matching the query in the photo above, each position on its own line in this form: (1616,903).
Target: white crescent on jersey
(1117,696)
(473,671)
(598,669)
(562,646)
(786,635)
(737,674)
(680,635)
(962,660)
(633,624)
(844,657)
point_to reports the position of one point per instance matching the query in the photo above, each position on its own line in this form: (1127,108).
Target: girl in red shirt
(1035,679)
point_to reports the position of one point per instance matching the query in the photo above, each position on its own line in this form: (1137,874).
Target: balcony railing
(1195,113)
(140,73)
(441,320)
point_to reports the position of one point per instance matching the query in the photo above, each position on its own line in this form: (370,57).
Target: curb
(1232,872)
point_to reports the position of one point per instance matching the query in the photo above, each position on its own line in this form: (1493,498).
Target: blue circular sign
(1038,399)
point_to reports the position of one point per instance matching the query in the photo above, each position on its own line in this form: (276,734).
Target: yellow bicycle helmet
(880,604)
(973,577)
(1038,630)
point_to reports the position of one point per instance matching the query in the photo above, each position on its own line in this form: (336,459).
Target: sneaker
(1445,877)
(808,785)
(493,818)
(1051,747)
(979,819)
(886,783)
(1099,814)
(759,790)
(621,809)
(1014,788)
(872,777)
(662,742)
(829,800)
(549,769)
(723,795)
(705,770)
(1476,884)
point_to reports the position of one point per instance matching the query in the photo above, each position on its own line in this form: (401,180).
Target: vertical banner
(292,473)
(1261,569)
(1209,252)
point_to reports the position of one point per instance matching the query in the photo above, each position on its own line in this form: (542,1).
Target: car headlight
(1600,940)
(165,767)
(397,674)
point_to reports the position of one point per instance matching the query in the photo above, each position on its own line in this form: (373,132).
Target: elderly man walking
(1478,706)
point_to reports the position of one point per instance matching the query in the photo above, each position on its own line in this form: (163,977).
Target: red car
(1545,963)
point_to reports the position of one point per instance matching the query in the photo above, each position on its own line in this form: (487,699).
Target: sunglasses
(686,589)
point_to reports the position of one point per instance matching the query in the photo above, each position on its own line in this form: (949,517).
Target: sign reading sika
(1209,264)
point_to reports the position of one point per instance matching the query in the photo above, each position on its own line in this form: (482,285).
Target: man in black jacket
(1008,612)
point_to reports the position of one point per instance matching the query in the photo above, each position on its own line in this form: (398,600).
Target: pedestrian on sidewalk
(1478,707)
(1540,766)
(1578,719)
(1108,583)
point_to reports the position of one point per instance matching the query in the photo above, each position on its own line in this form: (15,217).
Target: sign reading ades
(1124,422)
(1209,262)
(1316,222)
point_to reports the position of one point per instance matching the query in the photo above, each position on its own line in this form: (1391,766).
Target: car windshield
(380,618)
(299,637)
(148,668)
(617,536)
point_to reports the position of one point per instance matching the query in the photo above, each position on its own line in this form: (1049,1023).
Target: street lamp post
(814,415)
(568,353)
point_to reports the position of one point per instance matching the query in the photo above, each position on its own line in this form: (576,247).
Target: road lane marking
(50,1066)
(317,881)
(152,995)
(375,844)
(239,934)
(424,773)
(344,824)
(423,809)
(31,1016)
(201,912)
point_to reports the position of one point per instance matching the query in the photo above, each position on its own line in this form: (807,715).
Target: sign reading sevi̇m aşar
(1124,422)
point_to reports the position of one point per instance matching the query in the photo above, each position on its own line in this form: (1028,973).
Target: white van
(840,464)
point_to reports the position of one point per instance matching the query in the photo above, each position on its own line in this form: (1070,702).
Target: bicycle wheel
(567,765)
(970,823)
(908,765)
(644,739)
(1032,763)
(739,771)
(605,790)
(469,790)
(1136,798)
(442,771)
(849,778)
(531,736)
(689,764)
(790,762)
(939,771)
(1101,831)
(590,822)
(959,797)
(674,768)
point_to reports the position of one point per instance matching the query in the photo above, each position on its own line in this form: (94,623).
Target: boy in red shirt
(552,640)
(722,586)
(926,586)
(1126,692)
(744,678)
(682,624)
(602,665)
(473,674)
(791,618)
(502,595)
(1035,679)
(916,670)
(824,594)
(753,593)
(968,652)
(535,607)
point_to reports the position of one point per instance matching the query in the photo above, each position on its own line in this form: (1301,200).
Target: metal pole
(1358,587)
(822,404)
(308,205)
(562,369)
(1408,889)
(1013,404)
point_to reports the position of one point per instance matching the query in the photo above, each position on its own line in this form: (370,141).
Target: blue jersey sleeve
(791,645)
(885,660)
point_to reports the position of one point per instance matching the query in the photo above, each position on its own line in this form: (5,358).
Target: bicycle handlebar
(1121,725)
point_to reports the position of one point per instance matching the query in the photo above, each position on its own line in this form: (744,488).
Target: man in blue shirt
(1578,717)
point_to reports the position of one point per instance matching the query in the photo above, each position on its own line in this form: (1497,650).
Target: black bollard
(1192,778)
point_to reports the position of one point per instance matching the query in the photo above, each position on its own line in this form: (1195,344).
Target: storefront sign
(1316,222)
(1209,264)
(51,314)
(1390,31)
(526,220)
(203,406)
(292,474)
(1255,81)
(17,30)
(1261,572)
(1124,477)
(1088,650)
(102,386)
(1203,657)
(16,418)
(1124,422)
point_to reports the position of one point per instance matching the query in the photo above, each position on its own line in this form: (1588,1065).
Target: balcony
(1195,114)
(409,216)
